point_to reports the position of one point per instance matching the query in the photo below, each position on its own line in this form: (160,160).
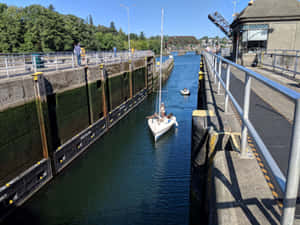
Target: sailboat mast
(160,65)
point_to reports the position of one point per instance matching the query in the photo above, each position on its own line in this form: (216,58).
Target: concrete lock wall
(20,143)
(166,70)
(47,120)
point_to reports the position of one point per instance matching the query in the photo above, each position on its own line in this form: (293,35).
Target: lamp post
(127,8)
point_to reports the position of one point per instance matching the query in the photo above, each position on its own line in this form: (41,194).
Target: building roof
(266,10)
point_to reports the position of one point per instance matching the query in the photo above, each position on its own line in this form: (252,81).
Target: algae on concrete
(138,80)
(118,90)
(72,112)
(20,143)
(95,91)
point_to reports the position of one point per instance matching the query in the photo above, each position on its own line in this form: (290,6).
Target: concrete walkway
(271,114)
(239,191)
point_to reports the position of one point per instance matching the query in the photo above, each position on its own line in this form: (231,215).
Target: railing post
(274,60)
(291,190)
(214,67)
(227,87)
(56,62)
(34,63)
(247,93)
(24,62)
(13,64)
(73,64)
(220,75)
(296,64)
(215,70)
(6,66)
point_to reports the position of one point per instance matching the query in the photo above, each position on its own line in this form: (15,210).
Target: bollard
(201,73)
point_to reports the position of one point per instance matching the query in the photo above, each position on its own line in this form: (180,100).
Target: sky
(182,17)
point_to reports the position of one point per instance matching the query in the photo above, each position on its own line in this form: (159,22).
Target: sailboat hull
(160,126)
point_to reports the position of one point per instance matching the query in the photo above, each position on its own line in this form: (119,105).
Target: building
(265,25)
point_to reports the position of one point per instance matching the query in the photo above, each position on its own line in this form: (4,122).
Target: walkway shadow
(281,73)
(266,206)
(218,116)
(294,85)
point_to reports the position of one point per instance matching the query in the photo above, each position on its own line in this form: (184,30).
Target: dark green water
(125,178)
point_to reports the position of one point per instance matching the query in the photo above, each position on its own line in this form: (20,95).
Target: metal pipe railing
(22,64)
(285,60)
(289,185)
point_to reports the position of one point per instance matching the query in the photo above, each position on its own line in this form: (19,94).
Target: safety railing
(285,60)
(12,65)
(288,185)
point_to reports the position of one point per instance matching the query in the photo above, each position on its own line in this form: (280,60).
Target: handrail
(12,65)
(291,94)
(289,185)
(286,60)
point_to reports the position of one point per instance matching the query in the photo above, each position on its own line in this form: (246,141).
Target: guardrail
(286,60)
(12,65)
(289,185)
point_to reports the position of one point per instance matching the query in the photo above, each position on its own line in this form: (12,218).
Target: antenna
(235,2)
(234,7)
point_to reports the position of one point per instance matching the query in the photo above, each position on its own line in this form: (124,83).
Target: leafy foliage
(39,29)
(181,41)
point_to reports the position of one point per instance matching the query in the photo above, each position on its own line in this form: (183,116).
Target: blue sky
(182,17)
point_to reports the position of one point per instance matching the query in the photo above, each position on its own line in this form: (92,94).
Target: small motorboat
(185,91)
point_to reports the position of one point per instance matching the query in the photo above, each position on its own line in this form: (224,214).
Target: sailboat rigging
(159,123)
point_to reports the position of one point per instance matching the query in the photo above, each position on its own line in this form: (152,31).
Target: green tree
(142,36)
(91,20)
(112,27)
(154,45)
(51,7)
(12,28)
(39,29)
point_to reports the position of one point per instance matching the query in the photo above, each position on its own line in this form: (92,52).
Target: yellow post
(104,97)
(201,75)
(40,96)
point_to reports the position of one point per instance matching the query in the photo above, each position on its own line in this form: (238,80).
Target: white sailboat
(159,123)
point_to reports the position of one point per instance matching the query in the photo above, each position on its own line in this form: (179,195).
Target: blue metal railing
(288,185)
(285,60)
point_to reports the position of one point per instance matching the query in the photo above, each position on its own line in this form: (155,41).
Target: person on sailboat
(162,110)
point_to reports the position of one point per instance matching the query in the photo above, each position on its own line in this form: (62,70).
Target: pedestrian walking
(77,52)
(115,51)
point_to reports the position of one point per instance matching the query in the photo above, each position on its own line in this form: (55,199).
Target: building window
(254,37)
